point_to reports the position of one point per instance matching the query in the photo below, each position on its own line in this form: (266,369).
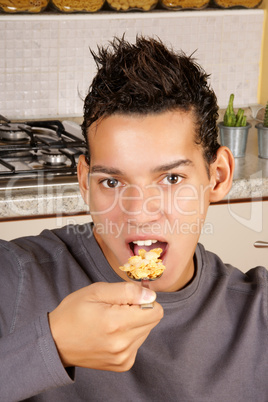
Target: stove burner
(35,149)
(53,159)
(14,131)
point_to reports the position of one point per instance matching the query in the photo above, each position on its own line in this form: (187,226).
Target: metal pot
(262,140)
(235,138)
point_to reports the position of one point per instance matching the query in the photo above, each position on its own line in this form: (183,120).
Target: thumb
(121,293)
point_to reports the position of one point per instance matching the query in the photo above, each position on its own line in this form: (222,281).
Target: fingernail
(147,296)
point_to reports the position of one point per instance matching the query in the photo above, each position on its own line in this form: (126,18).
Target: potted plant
(234,130)
(263,135)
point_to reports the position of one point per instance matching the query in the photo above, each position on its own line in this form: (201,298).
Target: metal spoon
(145,284)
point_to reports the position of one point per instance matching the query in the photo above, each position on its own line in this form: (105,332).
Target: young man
(71,324)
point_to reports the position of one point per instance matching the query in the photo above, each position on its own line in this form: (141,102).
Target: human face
(148,180)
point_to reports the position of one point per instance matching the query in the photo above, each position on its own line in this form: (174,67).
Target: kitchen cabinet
(231,230)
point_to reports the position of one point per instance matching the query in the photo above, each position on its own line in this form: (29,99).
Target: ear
(221,172)
(83,178)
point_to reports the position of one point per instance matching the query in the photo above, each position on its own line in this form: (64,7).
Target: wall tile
(46,66)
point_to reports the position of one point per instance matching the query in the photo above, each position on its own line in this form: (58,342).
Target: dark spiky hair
(145,78)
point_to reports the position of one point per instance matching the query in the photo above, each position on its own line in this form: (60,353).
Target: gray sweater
(211,345)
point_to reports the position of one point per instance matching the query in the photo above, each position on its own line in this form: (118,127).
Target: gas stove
(34,153)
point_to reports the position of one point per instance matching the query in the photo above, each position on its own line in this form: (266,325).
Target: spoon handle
(145,284)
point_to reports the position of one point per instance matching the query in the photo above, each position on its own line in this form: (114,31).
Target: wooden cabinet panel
(231,230)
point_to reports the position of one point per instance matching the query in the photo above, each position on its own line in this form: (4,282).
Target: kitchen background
(45,71)
(46,66)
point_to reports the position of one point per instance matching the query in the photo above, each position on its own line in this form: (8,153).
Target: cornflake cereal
(145,265)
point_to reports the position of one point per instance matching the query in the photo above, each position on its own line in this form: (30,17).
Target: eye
(172,179)
(111,183)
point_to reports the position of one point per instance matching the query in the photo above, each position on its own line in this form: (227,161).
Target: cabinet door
(232,229)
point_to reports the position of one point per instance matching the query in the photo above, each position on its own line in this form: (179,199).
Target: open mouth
(147,245)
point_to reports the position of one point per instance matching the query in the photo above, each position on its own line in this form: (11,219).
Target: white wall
(45,60)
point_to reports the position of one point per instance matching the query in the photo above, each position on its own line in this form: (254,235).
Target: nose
(143,204)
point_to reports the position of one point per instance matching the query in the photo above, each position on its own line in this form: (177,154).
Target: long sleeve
(29,362)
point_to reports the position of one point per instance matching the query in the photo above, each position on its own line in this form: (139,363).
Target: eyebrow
(172,165)
(105,170)
(161,168)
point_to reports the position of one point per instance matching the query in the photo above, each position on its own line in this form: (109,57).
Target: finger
(121,293)
(122,351)
(125,317)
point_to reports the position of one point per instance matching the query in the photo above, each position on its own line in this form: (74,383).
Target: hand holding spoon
(145,284)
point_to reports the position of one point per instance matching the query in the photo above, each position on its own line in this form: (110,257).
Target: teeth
(144,242)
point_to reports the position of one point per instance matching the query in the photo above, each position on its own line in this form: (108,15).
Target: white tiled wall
(46,66)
